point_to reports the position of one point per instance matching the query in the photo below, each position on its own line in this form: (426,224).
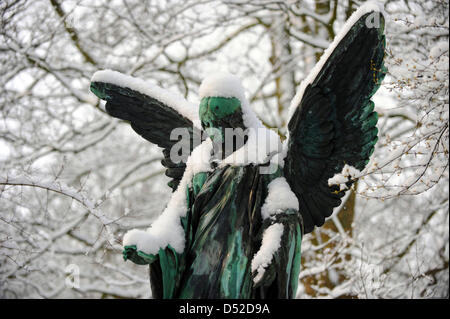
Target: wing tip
(98,89)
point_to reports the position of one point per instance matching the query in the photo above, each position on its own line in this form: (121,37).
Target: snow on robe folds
(279,198)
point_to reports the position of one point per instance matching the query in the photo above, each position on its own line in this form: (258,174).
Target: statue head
(221,111)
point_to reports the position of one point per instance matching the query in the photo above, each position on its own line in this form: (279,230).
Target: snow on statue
(242,200)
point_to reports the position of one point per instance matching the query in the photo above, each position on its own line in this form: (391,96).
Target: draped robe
(223,228)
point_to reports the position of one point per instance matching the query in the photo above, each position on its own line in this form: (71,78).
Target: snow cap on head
(228,85)
(222,85)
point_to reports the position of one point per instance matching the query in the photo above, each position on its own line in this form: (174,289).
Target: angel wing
(333,122)
(153,113)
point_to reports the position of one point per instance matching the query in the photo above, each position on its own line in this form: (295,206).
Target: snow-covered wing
(333,122)
(152,112)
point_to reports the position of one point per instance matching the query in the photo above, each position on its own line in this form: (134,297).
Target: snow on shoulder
(171,99)
(262,147)
(367,7)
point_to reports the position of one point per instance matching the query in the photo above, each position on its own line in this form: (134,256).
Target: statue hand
(267,278)
(137,256)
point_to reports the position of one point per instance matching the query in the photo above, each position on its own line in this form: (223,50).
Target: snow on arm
(270,244)
(279,198)
(167,229)
(171,99)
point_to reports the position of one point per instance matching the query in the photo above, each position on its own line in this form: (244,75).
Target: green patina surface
(100,89)
(212,108)
(295,259)
(218,113)
(198,181)
(228,228)
(234,267)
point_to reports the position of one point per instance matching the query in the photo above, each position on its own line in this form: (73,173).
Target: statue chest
(225,221)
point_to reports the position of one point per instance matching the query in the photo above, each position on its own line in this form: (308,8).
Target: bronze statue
(241,204)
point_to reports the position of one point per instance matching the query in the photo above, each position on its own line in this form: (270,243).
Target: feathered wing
(333,122)
(152,112)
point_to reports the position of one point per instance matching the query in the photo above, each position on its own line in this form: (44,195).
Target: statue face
(218,114)
(216,108)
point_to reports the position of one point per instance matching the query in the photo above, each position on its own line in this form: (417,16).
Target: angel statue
(242,200)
